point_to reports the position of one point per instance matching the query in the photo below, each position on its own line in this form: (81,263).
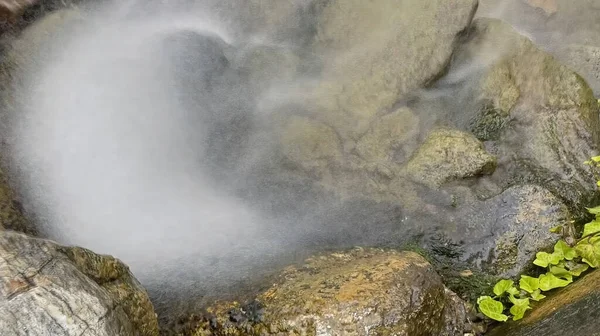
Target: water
(138,134)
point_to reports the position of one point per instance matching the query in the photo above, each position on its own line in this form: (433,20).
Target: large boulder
(376,52)
(499,235)
(537,116)
(360,292)
(48,289)
(573,308)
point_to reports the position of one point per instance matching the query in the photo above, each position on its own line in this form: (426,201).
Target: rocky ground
(460,135)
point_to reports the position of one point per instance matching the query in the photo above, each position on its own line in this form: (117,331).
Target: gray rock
(544,123)
(585,60)
(370,64)
(47,289)
(501,235)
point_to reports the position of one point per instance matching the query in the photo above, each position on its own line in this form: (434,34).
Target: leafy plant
(563,265)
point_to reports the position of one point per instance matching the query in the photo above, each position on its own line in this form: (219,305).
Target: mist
(138,133)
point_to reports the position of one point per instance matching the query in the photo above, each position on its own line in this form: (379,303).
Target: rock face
(11,212)
(47,289)
(585,59)
(573,308)
(542,115)
(377,52)
(361,292)
(501,234)
(463,186)
(13,8)
(448,155)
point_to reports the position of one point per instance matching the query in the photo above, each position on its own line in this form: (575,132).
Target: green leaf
(537,295)
(578,269)
(562,248)
(529,284)
(595,158)
(519,308)
(513,290)
(561,272)
(591,227)
(589,252)
(492,308)
(544,259)
(502,286)
(549,281)
(594,210)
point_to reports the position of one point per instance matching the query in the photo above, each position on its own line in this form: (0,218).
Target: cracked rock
(48,289)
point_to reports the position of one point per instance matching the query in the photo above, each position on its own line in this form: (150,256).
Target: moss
(489,123)
(114,276)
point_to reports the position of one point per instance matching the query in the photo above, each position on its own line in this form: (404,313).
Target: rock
(585,60)
(447,155)
(267,66)
(361,292)
(22,55)
(572,309)
(47,289)
(310,144)
(9,9)
(370,64)
(391,139)
(548,6)
(501,235)
(12,215)
(538,117)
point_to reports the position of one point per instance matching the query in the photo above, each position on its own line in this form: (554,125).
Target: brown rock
(361,292)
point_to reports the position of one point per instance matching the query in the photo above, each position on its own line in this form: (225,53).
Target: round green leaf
(537,295)
(519,307)
(589,252)
(561,272)
(502,286)
(577,269)
(492,308)
(593,226)
(513,291)
(543,259)
(562,248)
(518,312)
(549,281)
(529,284)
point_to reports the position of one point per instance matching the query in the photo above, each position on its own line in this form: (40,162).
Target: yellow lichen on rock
(449,154)
(360,292)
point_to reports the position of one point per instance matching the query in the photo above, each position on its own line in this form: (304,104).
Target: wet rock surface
(565,29)
(571,309)
(360,292)
(47,289)
(362,82)
(546,122)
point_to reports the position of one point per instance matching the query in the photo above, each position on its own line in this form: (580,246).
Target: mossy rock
(448,155)
(12,216)
(360,292)
(46,289)
(540,117)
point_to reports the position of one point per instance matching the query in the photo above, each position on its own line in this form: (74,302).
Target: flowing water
(125,143)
